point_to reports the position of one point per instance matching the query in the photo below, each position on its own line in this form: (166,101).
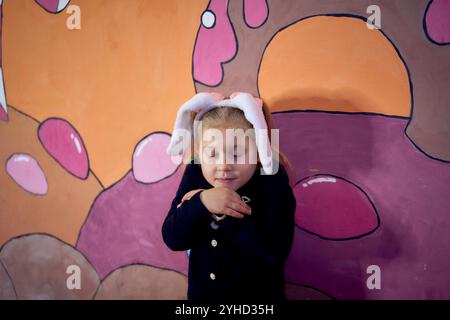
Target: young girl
(237,223)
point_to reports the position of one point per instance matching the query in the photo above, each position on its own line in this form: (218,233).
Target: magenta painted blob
(54,6)
(437,21)
(150,161)
(216,44)
(333,208)
(3,113)
(255,12)
(27,173)
(64,144)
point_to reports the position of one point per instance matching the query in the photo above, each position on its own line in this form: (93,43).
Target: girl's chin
(230,184)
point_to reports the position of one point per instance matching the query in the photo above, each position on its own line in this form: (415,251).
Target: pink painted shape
(27,173)
(64,144)
(3,113)
(255,12)
(150,161)
(437,21)
(333,208)
(50,5)
(214,46)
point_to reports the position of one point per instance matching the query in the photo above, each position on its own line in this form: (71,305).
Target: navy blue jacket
(234,258)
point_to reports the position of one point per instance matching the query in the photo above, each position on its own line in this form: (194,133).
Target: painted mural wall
(88,95)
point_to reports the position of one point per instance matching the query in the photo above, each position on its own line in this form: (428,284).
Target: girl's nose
(223,166)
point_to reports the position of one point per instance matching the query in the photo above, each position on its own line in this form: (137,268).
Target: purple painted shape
(3,113)
(255,12)
(50,5)
(437,21)
(215,45)
(27,173)
(65,145)
(333,208)
(150,161)
(409,190)
(54,6)
(124,226)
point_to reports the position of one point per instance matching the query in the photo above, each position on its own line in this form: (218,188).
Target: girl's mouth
(225,180)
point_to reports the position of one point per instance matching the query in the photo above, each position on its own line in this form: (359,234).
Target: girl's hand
(188,195)
(223,200)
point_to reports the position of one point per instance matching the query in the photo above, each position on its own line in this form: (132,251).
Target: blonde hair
(222,116)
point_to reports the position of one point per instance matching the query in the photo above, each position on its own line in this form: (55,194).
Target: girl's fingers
(240,206)
(233,213)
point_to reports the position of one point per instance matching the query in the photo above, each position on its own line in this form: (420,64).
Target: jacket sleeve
(184,226)
(269,236)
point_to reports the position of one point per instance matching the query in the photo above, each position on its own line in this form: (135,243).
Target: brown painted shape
(143,282)
(6,285)
(298,292)
(37,265)
(401,21)
(60,212)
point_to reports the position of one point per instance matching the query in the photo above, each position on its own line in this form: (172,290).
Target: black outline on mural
(55,238)
(221,63)
(56,12)
(201,19)
(37,133)
(425,29)
(348,15)
(265,20)
(40,167)
(2,266)
(110,187)
(342,113)
(82,142)
(136,264)
(360,189)
(310,287)
(134,150)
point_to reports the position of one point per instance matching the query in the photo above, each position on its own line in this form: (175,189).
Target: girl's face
(227,161)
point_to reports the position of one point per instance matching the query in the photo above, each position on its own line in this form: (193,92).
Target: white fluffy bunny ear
(180,140)
(254,113)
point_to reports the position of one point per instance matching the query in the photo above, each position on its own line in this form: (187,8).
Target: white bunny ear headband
(203,102)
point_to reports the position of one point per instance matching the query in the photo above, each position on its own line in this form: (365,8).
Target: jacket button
(213,242)
(212,276)
(214,225)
